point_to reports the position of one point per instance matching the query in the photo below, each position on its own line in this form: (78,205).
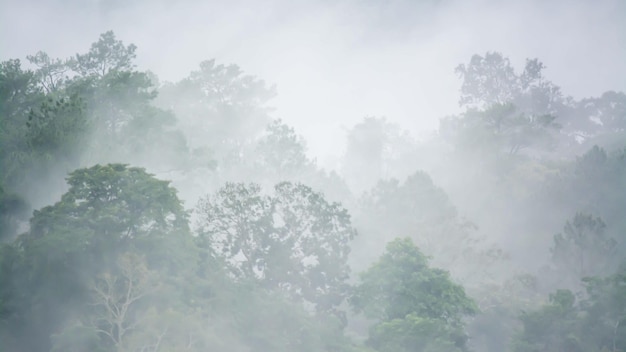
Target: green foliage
(108,210)
(294,241)
(112,266)
(491,80)
(220,107)
(583,249)
(269,322)
(57,128)
(414,333)
(50,72)
(18,94)
(413,305)
(601,120)
(105,56)
(553,328)
(588,185)
(499,128)
(421,209)
(282,150)
(595,323)
(605,320)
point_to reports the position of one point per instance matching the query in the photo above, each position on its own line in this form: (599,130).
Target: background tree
(594,323)
(220,107)
(283,151)
(420,208)
(491,80)
(105,56)
(293,241)
(583,249)
(376,149)
(552,328)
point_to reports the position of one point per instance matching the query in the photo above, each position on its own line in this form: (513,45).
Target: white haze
(334,62)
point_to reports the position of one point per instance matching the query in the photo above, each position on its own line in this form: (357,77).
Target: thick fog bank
(344,59)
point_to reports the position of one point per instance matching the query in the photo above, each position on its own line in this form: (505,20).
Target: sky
(335,62)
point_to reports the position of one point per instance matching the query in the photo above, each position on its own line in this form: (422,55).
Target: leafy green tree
(105,56)
(583,249)
(595,323)
(18,95)
(108,210)
(124,124)
(552,328)
(39,135)
(587,185)
(293,241)
(414,307)
(57,129)
(507,110)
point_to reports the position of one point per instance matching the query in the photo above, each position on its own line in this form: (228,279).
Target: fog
(355,175)
(335,62)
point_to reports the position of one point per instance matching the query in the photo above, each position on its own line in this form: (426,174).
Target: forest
(145,215)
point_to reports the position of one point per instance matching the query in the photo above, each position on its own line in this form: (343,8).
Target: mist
(359,176)
(335,62)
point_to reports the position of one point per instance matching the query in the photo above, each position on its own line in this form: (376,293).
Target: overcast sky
(334,62)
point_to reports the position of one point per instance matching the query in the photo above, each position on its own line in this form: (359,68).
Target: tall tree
(220,107)
(108,210)
(293,241)
(583,249)
(376,149)
(491,80)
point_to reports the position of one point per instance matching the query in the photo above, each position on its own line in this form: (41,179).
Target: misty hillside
(329,176)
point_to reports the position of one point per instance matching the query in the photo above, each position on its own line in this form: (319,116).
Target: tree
(414,307)
(583,249)
(376,149)
(421,209)
(56,130)
(220,107)
(552,328)
(124,124)
(105,56)
(596,322)
(282,150)
(18,95)
(491,80)
(108,210)
(604,321)
(293,241)
(499,128)
(599,120)
(117,296)
(39,134)
(505,110)
(50,72)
